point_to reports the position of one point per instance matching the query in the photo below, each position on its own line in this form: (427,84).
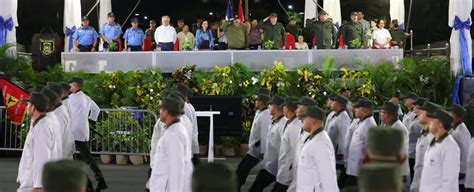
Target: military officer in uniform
(85,38)
(409,101)
(39,145)
(442,158)
(352,32)
(414,132)
(337,128)
(151,33)
(376,177)
(462,137)
(316,162)
(134,37)
(110,31)
(324,32)
(289,138)
(358,143)
(273,31)
(257,139)
(84,110)
(267,174)
(64,175)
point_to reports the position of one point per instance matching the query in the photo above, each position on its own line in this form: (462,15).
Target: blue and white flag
(310,10)
(333,8)
(228,13)
(72,21)
(459,18)
(8,21)
(397,11)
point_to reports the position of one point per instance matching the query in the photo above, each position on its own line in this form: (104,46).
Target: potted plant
(187,46)
(268,44)
(229,143)
(244,145)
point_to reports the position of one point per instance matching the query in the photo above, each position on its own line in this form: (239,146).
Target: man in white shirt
(442,158)
(316,161)
(165,35)
(39,145)
(463,138)
(337,127)
(81,106)
(190,112)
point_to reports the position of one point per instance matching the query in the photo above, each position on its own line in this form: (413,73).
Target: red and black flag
(14,100)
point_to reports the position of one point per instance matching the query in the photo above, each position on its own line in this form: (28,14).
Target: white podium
(210,114)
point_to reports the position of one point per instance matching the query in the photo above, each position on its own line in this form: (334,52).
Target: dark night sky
(430,16)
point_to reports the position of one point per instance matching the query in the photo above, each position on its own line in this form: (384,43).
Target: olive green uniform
(294,30)
(236,35)
(397,36)
(275,33)
(325,34)
(353,31)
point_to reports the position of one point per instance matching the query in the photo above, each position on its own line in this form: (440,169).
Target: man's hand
(266,19)
(77,49)
(93,49)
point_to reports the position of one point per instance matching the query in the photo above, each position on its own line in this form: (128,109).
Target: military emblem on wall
(47,47)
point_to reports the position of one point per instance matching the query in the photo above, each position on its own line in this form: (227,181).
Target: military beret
(291,102)
(458,110)
(214,177)
(443,116)
(340,99)
(39,100)
(263,98)
(314,112)
(429,107)
(390,107)
(353,13)
(64,175)
(273,15)
(177,96)
(380,177)
(171,104)
(364,103)
(277,100)
(420,101)
(306,101)
(410,95)
(384,141)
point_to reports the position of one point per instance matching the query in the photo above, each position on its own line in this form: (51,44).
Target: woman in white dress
(381,36)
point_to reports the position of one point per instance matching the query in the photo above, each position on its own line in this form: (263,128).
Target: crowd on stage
(235,34)
(298,145)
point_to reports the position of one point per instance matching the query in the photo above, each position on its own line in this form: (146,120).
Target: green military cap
(340,99)
(64,175)
(171,104)
(263,90)
(314,112)
(364,103)
(65,86)
(458,110)
(291,102)
(390,107)
(331,95)
(353,13)
(263,98)
(429,107)
(380,177)
(273,14)
(410,95)
(383,142)
(183,89)
(50,94)
(165,93)
(323,12)
(153,21)
(306,101)
(177,96)
(443,116)
(277,100)
(39,100)
(420,101)
(78,80)
(55,87)
(214,177)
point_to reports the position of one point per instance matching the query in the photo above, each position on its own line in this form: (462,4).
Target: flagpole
(247,10)
(93,7)
(283,7)
(131,12)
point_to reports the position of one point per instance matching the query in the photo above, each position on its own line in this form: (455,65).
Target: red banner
(13,98)
(241,12)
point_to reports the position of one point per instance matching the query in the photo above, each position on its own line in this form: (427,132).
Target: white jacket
(258,133)
(270,160)
(408,118)
(337,129)
(191,114)
(348,138)
(358,145)
(399,125)
(38,150)
(421,146)
(441,166)
(317,165)
(414,132)
(64,119)
(287,151)
(155,137)
(328,120)
(294,167)
(81,105)
(189,129)
(463,138)
(172,166)
(469,181)
(58,131)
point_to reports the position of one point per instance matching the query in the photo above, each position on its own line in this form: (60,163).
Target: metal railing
(117,131)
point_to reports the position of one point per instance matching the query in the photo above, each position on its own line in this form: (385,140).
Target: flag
(333,8)
(310,10)
(105,7)
(228,13)
(13,98)
(8,20)
(397,11)
(459,18)
(72,21)
(241,12)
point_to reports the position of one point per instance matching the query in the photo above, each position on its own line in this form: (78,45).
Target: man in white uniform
(316,161)
(190,112)
(337,128)
(267,174)
(442,158)
(58,130)
(81,106)
(463,138)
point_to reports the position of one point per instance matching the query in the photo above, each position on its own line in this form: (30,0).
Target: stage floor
(256,60)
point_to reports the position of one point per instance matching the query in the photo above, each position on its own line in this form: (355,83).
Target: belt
(165,42)
(86,45)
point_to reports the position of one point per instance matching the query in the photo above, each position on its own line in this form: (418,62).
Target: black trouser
(85,48)
(350,181)
(196,161)
(254,47)
(86,156)
(411,162)
(342,177)
(263,179)
(166,46)
(222,46)
(243,170)
(106,46)
(278,187)
(135,48)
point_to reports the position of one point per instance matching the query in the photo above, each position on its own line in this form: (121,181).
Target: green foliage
(188,45)
(230,142)
(356,43)
(16,68)
(273,78)
(113,46)
(268,44)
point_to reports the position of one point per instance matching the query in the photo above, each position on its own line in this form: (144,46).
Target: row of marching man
(300,147)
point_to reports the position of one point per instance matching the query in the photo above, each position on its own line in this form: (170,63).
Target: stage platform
(256,60)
